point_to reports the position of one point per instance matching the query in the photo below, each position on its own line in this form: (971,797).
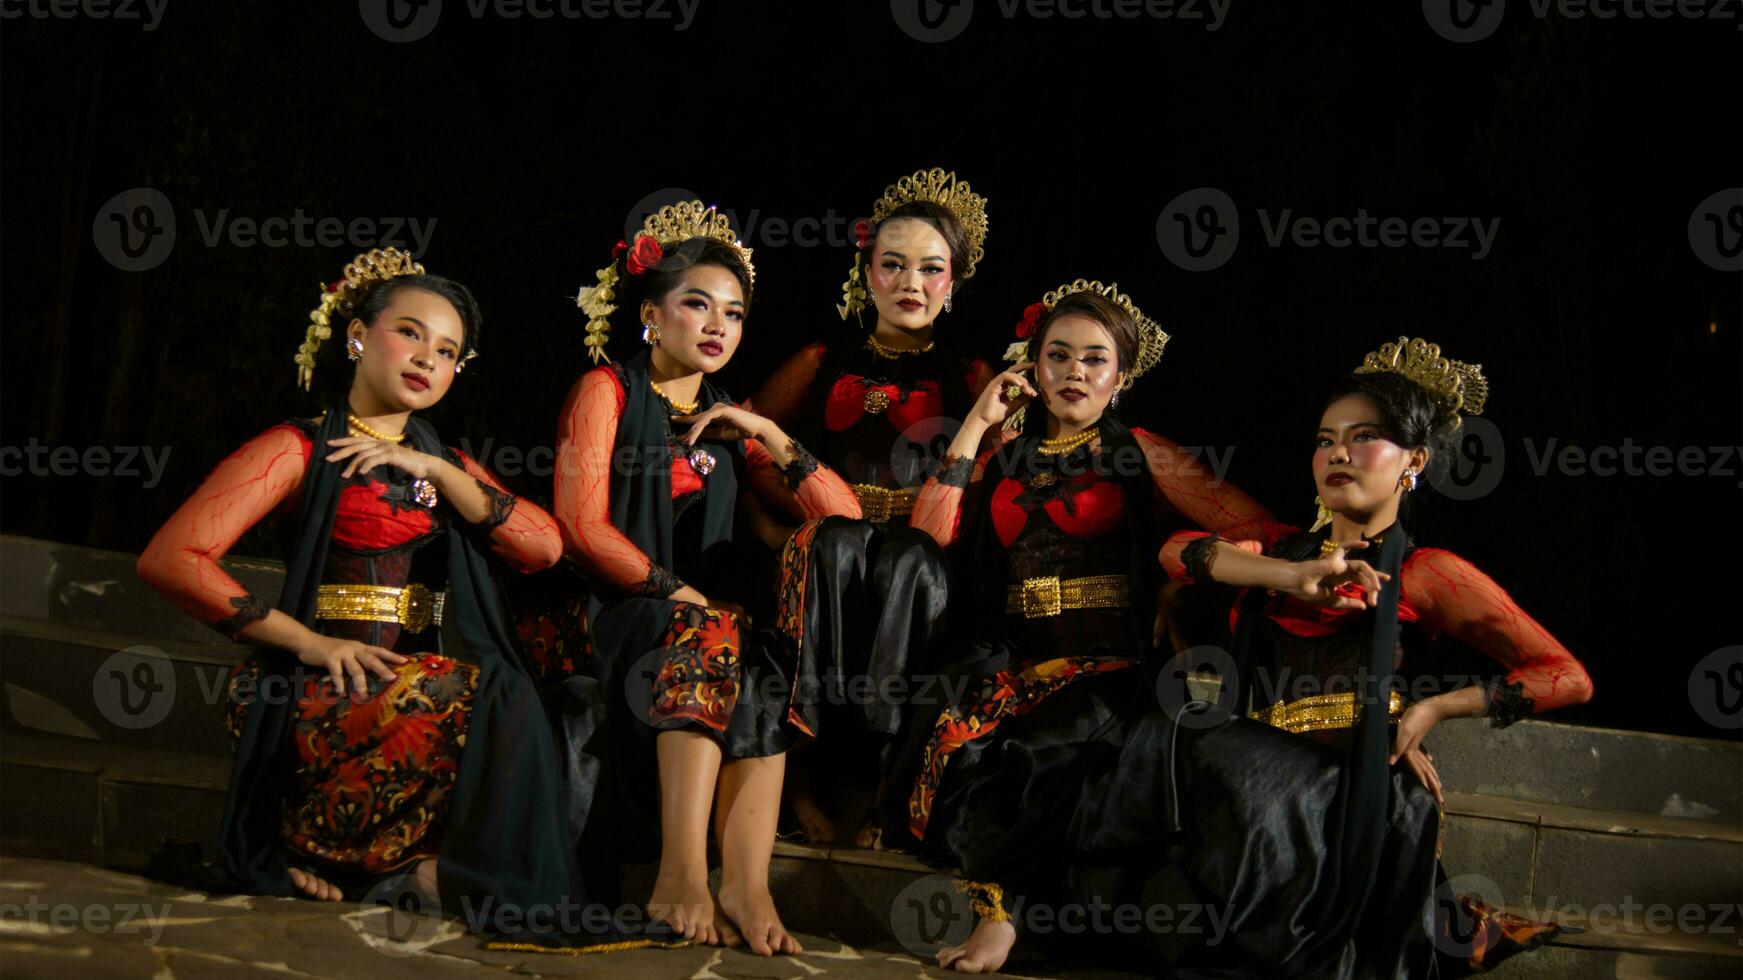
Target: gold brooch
(876,401)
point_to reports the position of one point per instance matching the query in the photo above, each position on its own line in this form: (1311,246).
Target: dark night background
(528,141)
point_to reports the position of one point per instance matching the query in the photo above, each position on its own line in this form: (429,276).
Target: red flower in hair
(1031,319)
(618,249)
(862,232)
(644,255)
(335,285)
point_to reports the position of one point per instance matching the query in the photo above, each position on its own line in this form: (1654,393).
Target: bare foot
(985,950)
(686,906)
(752,909)
(729,934)
(316,888)
(819,829)
(870,837)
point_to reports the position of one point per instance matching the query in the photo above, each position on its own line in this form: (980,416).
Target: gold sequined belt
(879,504)
(1322,711)
(1040,597)
(414,607)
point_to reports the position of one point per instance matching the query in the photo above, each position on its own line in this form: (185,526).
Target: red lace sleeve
(804,486)
(1454,596)
(782,397)
(938,509)
(586,439)
(521,532)
(182,559)
(1205,499)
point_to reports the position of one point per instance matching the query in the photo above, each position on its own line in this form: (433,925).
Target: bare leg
(985,951)
(689,765)
(750,802)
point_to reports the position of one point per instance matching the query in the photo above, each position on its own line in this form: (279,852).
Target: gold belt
(414,607)
(1322,711)
(1040,597)
(879,504)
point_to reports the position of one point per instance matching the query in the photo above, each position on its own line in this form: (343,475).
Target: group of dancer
(413,720)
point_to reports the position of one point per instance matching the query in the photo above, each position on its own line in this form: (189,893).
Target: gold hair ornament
(375,265)
(1458,388)
(941,187)
(670,226)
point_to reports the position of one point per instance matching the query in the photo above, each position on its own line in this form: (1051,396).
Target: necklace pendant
(702,461)
(877,401)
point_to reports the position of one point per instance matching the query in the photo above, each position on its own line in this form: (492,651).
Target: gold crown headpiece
(671,225)
(940,187)
(1458,388)
(338,299)
(1152,339)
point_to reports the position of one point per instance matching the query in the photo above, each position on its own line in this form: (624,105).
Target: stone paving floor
(60,921)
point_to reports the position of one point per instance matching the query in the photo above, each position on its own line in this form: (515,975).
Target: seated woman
(370,759)
(1062,527)
(862,600)
(1319,642)
(650,459)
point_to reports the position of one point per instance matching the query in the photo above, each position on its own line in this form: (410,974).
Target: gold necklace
(1065,444)
(369,433)
(680,408)
(889,353)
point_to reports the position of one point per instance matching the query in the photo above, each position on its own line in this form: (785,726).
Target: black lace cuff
(248,610)
(501,504)
(1506,703)
(1198,556)
(956,471)
(660,583)
(802,465)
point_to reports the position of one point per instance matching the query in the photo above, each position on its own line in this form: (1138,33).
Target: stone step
(1553,857)
(65,678)
(78,799)
(82,800)
(66,583)
(1577,765)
